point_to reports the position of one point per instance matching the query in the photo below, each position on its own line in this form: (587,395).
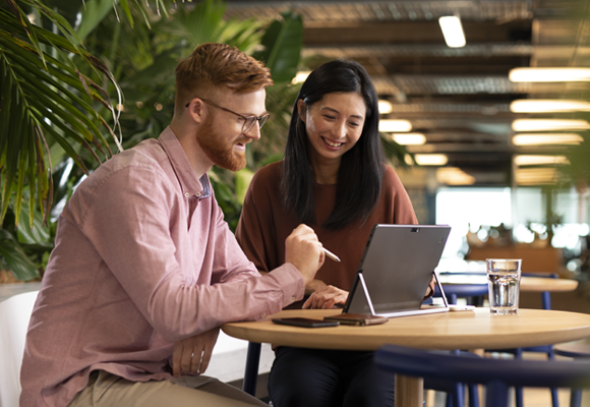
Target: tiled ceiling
(458,98)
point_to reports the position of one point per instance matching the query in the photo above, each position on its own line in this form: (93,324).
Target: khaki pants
(107,390)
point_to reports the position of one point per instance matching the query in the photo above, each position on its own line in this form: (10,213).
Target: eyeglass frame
(260,119)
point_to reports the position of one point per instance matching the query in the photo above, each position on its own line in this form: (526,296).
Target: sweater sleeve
(256,232)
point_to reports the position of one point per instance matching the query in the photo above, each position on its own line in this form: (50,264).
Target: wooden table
(453,330)
(527,284)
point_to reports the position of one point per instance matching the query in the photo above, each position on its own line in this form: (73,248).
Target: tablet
(395,270)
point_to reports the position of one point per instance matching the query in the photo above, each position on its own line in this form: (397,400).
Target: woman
(333,178)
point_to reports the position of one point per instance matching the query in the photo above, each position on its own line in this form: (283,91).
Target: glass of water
(503,285)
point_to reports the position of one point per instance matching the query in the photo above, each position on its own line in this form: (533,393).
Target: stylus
(331,255)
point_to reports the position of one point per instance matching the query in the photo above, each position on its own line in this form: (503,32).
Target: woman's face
(334,124)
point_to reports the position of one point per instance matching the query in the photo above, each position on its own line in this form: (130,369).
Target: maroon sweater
(265,224)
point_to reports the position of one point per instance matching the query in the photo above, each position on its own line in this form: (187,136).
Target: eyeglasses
(248,120)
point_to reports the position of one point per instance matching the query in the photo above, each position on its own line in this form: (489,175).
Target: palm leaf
(283,42)
(125,7)
(92,14)
(42,94)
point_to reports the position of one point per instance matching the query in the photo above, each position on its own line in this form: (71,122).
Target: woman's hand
(430,290)
(326,297)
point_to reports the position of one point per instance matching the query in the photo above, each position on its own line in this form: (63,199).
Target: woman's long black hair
(361,170)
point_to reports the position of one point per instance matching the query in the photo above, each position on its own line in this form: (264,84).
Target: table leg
(251,373)
(408,391)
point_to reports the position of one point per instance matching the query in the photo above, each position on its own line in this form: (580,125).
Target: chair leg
(576,398)
(496,394)
(450,400)
(251,371)
(518,396)
(457,395)
(554,395)
(473,395)
(518,390)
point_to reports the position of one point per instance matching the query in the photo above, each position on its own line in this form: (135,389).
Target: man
(145,270)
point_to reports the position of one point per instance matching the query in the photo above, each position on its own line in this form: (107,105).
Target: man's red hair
(214,65)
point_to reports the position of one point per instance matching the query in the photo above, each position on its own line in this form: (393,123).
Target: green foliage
(243,178)
(396,153)
(64,67)
(91,15)
(46,100)
(282,43)
(14,258)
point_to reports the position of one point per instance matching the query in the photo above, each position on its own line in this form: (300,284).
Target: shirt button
(292,298)
(187,194)
(198,194)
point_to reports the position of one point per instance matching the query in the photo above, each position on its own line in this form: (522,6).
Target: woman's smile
(332,145)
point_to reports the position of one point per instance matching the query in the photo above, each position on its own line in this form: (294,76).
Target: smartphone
(305,322)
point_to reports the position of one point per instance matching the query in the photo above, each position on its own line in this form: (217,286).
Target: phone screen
(305,322)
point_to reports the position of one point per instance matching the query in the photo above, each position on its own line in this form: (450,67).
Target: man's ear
(196,110)
(301,109)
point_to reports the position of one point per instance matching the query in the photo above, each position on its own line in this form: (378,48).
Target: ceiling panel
(458,97)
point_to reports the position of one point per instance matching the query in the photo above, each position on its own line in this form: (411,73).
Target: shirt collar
(190,184)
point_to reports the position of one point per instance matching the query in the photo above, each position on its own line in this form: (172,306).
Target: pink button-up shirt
(142,258)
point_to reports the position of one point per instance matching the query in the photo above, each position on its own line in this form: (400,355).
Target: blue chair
(498,375)
(474,293)
(453,389)
(547,349)
(578,349)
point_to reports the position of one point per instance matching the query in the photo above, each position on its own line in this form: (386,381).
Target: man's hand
(326,297)
(192,355)
(314,285)
(304,251)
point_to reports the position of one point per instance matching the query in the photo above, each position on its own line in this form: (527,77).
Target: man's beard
(222,154)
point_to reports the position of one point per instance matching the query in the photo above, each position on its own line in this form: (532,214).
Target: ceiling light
(522,160)
(546,139)
(409,139)
(549,124)
(452,31)
(549,75)
(385,107)
(300,77)
(390,126)
(549,106)
(431,159)
(535,176)
(454,176)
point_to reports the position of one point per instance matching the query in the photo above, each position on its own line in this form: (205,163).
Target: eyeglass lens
(250,120)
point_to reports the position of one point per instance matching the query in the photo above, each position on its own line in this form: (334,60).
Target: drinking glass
(503,285)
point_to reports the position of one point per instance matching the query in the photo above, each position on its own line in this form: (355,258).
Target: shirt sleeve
(128,220)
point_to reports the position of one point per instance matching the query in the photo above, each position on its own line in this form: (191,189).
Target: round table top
(450,330)
(527,284)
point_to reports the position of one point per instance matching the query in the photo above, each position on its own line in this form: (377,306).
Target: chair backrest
(15,314)
(497,374)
